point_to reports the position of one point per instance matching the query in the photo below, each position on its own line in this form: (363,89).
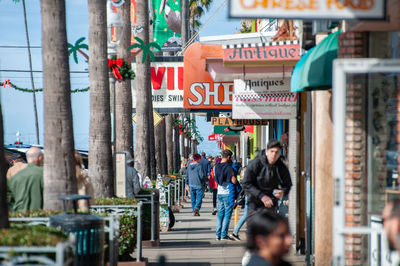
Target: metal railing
(143,197)
(30,255)
(119,210)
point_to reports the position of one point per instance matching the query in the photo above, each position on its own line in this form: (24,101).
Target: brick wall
(355,45)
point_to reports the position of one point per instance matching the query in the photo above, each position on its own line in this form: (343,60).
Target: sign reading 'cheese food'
(308,9)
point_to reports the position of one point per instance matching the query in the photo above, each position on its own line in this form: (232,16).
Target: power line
(37,71)
(19,46)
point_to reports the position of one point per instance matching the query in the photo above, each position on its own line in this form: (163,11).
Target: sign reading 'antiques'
(308,9)
(262,103)
(226,121)
(277,52)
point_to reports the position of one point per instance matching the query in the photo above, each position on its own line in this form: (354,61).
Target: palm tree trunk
(31,74)
(152,147)
(185,22)
(4,223)
(177,155)
(158,143)
(143,94)
(123,91)
(59,164)
(164,165)
(169,143)
(100,157)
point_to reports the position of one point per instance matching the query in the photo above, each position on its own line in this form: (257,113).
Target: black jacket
(261,179)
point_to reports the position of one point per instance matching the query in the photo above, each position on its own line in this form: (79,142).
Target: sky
(17,106)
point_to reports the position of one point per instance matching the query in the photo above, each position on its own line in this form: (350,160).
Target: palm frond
(79,41)
(83,46)
(70,46)
(139,41)
(154,45)
(75,57)
(133,46)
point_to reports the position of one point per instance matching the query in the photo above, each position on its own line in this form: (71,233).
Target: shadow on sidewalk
(201,244)
(162,262)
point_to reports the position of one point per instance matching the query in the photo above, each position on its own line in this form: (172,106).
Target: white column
(293,169)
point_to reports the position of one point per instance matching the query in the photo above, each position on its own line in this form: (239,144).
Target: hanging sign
(259,102)
(226,121)
(308,9)
(200,90)
(166,85)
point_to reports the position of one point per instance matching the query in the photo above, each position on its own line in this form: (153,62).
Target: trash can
(87,228)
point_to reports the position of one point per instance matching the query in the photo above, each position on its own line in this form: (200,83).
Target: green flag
(167,24)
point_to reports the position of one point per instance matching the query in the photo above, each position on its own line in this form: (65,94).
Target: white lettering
(228,92)
(209,93)
(196,93)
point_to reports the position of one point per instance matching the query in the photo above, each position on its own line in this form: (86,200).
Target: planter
(35,245)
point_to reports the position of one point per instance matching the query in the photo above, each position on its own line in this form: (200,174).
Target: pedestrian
(242,220)
(391,224)
(26,186)
(195,179)
(17,165)
(206,165)
(224,175)
(83,183)
(266,179)
(268,239)
(214,187)
(182,171)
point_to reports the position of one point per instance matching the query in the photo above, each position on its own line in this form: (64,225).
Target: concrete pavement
(192,241)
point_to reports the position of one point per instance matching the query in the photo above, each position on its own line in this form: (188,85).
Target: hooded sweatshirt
(261,178)
(195,175)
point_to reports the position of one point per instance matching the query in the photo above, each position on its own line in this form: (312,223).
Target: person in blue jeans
(195,179)
(235,234)
(224,175)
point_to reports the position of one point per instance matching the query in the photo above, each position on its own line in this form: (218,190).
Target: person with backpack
(266,179)
(195,179)
(224,176)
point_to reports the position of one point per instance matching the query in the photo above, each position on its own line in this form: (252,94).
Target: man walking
(224,176)
(206,165)
(266,179)
(195,179)
(26,186)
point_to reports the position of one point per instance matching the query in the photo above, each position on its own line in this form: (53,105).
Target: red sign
(157,76)
(263,52)
(212,137)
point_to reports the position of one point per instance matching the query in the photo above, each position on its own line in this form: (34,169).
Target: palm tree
(59,163)
(143,115)
(100,156)
(4,223)
(123,91)
(147,52)
(31,71)
(196,11)
(77,47)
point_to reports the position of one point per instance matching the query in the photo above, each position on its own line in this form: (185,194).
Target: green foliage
(145,49)
(125,70)
(32,235)
(115,201)
(245,28)
(74,49)
(12,85)
(127,236)
(33,214)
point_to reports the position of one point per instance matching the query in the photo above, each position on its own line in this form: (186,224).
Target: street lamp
(113,21)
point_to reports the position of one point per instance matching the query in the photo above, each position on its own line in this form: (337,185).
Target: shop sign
(200,90)
(226,121)
(275,52)
(214,137)
(166,85)
(262,104)
(308,9)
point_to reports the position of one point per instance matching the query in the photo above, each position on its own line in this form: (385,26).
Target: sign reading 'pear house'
(263,99)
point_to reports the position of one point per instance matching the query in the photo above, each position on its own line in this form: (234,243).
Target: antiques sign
(276,52)
(308,9)
(251,101)
(226,121)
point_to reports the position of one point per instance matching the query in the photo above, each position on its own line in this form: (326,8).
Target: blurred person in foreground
(268,239)
(26,187)
(17,165)
(391,223)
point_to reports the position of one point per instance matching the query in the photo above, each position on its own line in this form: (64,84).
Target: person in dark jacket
(266,179)
(195,179)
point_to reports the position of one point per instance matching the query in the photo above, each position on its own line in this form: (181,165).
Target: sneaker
(226,238)
(235,237)
(196,212)
(218,238)
(214,212)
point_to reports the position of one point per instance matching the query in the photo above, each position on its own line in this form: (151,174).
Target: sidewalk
(192,241)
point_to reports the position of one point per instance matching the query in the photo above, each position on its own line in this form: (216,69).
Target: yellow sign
(226,121)
(157,118)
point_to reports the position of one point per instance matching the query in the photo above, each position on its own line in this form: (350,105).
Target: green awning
(224,130)
(314,69)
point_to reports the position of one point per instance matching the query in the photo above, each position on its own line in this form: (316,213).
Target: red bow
(6,82)
(180,129)
(114,64)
